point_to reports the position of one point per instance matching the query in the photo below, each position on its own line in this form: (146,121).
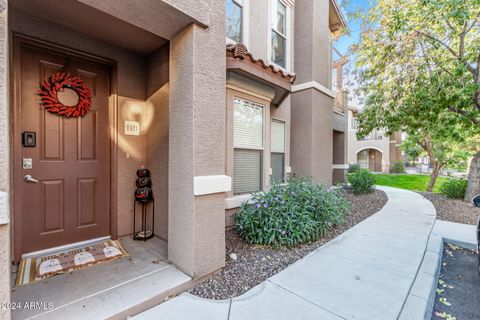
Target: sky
(345,41)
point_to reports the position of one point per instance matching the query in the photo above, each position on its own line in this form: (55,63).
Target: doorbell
(29,139)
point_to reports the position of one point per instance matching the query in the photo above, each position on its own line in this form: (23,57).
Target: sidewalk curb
(423,291)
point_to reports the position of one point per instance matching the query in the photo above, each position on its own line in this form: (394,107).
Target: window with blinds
(247,171)
(278,150)
(278,136)
(248,146)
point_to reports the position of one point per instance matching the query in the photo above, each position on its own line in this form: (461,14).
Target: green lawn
(416,182)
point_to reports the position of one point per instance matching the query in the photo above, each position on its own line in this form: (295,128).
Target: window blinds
(247,171)
(248,124)
(278,166)
(278,136)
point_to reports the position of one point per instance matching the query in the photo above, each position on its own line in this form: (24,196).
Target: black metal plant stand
(143,234)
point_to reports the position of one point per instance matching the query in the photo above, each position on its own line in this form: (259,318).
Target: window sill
(236,201)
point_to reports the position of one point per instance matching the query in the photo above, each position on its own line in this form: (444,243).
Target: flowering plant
(288,214)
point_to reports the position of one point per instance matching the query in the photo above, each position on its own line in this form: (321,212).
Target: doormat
(34,269)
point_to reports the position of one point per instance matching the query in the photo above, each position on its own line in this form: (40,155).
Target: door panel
(71,201)
(375,160)
(86,201)
(52,198)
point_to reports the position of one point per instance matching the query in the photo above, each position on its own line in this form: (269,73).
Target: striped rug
(38,268)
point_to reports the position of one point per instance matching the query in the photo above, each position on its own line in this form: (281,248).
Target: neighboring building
(214,119)
(375,152)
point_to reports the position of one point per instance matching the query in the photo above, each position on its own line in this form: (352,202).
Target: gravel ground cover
(453,210)
(248,265)
(458,291)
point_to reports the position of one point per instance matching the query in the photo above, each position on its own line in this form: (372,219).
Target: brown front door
(71,159)
(375,162)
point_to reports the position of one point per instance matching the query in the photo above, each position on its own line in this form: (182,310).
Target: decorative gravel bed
(254,264)
(452,209)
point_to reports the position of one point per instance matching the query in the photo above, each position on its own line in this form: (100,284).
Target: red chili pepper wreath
(50,87)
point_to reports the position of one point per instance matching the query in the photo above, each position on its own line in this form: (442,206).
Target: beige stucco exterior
(387,146)
(171,76)
(317,130)
(4,163)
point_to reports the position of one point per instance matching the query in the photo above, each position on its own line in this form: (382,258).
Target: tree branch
(449,24)
(465,114)
(470,68)
(467,30)
(445,45)
(458,56)
(461,45)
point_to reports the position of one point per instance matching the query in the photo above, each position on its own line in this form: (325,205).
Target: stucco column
(197,181)
(4,164)
(312,98)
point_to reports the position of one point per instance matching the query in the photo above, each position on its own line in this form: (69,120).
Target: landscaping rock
(453,210)
(255,264)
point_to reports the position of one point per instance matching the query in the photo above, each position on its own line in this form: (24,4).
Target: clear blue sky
(350,6)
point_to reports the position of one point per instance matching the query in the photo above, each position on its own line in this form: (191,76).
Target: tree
(423,49)
(442,136)
(412,150)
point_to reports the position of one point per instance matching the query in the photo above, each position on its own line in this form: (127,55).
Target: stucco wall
(196,225)
(312,135)
(4,164)
(355,145)
(161,17)
(312,107)
(131,91)
(312,38)
(157,135)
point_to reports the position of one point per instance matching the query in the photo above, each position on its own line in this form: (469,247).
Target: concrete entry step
(112,290)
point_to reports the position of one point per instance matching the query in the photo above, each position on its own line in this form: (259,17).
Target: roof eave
(338,23)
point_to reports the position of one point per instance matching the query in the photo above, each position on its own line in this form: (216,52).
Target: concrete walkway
(365,273)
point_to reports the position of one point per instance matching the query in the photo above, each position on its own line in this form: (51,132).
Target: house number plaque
(132,128)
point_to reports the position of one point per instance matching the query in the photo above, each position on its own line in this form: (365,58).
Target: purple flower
(265,205)
(258,205)
(283,202)
(276,198)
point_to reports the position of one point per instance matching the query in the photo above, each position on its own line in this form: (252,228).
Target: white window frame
(261,149)
(245,23)
(272,14)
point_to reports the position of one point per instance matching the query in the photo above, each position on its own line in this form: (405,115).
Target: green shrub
(362,181)
(454,188)
(398,167)
(289,214)
(353,167)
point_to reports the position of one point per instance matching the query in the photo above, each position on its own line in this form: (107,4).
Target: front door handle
(29,178)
